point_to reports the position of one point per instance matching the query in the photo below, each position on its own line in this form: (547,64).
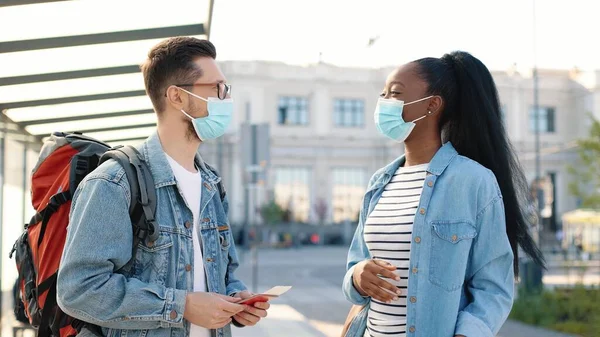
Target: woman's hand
(368,283)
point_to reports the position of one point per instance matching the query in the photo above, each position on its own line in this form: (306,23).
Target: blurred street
(315,306)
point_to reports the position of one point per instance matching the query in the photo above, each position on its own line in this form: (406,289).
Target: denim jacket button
(188,267)
(422,211)
(188,224)
(454,237)
(418,239)
(413,299)
(412,329)
(150,244)
(430,184)
(173,314)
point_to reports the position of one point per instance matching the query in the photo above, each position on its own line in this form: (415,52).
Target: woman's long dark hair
(471,120)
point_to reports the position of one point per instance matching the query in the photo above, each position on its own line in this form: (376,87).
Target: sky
(500,33)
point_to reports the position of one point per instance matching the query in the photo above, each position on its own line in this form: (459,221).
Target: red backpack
(65,159)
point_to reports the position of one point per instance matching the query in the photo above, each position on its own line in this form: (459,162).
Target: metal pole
(211,6)
(2,154)
(246,227)
(24,182)
(254,268)
(253,137)
(536,108)
(220,154)
(220,140)
(535,272)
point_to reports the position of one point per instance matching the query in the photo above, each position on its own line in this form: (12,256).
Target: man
(182,284)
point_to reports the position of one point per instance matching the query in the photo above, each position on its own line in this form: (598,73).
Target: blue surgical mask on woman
(389,120)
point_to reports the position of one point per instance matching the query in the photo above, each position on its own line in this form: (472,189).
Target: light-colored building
(324,145)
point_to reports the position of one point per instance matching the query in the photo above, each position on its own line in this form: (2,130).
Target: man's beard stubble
(190,133)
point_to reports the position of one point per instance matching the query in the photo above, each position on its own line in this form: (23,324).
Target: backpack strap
(47,328)
(220,186)
(142,207)
(44,215)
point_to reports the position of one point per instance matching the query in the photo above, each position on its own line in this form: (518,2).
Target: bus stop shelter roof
(74,65)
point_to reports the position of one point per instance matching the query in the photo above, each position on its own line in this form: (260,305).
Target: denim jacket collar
(438,164)
(159,165)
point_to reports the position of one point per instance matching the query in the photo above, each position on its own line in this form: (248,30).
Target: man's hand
(368,283)
(253,313)
(210,310)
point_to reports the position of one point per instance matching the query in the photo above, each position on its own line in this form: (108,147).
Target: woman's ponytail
(471,120)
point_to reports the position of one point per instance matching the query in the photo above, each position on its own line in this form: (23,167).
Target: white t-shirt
(189,183)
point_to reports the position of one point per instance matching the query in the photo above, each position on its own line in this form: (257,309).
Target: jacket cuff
(174,308)
(350,291)
(471,326)
(235,288)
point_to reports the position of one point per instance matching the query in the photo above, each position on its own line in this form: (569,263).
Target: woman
(436,249)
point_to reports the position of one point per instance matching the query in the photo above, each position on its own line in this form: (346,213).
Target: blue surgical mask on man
(220,112)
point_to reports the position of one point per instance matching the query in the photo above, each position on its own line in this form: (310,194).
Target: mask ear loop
(418,119)
(186,114)
(194,95)
(419,100)
(191,93)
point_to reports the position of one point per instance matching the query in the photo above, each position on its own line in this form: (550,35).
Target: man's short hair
(172,62)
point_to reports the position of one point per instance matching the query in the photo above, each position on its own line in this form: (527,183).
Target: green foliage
(586,177)
(272,213)
(570,310)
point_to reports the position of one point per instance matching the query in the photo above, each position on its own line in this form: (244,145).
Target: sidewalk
(517,329)
(285,321)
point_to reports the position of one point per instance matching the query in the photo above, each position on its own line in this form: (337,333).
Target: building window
(348,190)
(546,116)
(349,112)
(292,191)
(293,110)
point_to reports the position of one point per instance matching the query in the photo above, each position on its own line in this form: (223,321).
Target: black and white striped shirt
(388,235)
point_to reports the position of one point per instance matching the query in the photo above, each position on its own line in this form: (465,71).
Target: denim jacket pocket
(450,246)
(152,258)
(224,236)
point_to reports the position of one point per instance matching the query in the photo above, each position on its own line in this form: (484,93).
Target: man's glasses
(223,89)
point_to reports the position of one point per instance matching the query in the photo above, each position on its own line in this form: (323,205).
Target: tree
(321,210)
(272,213)
(586,182)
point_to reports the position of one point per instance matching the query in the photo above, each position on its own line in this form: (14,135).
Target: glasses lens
(225,89)
(221,91)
